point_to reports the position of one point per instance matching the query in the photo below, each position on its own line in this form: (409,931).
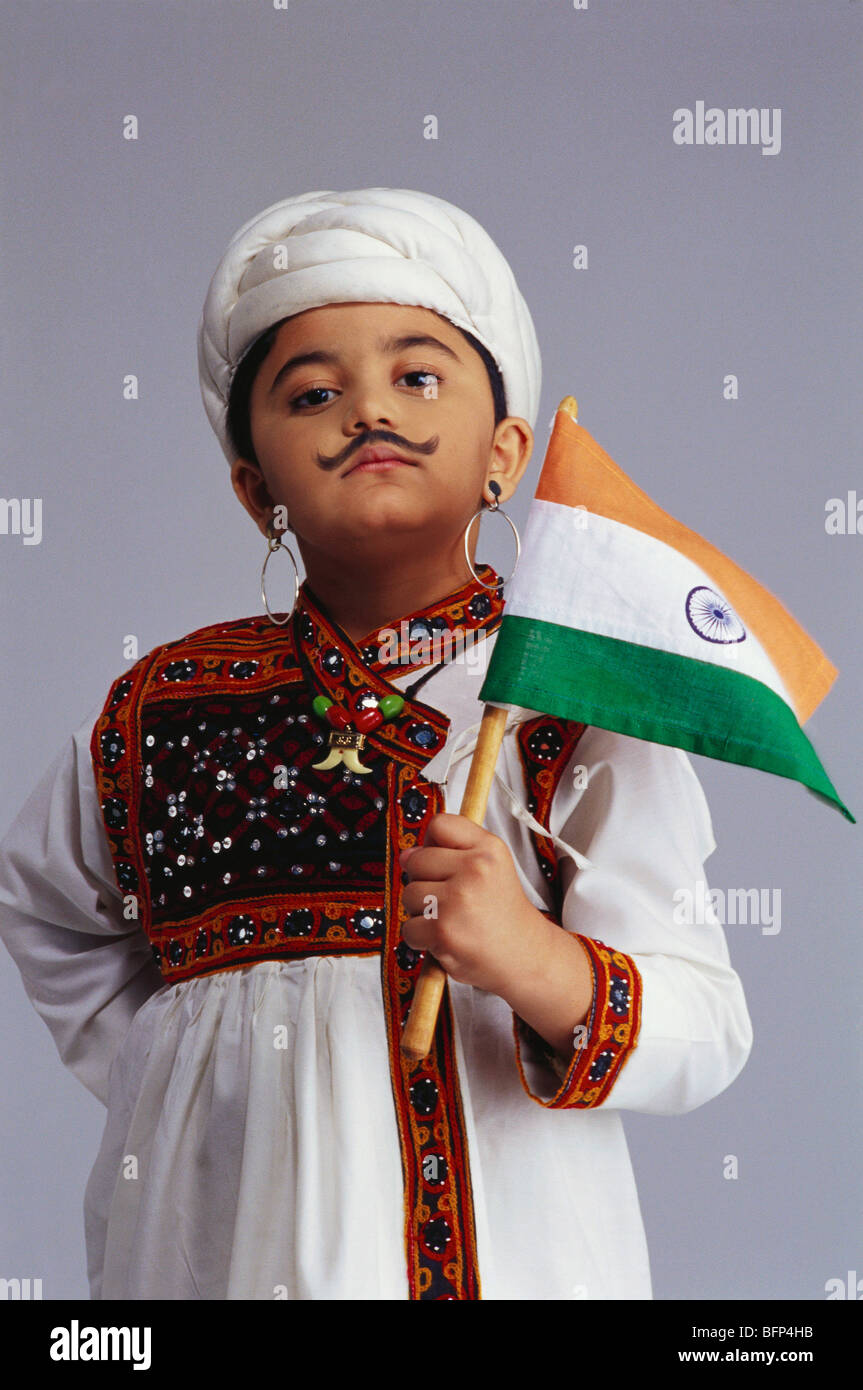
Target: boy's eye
(422,371)
(312,391)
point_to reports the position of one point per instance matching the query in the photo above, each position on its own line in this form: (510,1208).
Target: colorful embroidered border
(546,744)
(440,1235)
(268,928)
(429,634)
(610,1040)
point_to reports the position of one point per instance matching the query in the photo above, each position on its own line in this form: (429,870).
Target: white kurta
(233,1169)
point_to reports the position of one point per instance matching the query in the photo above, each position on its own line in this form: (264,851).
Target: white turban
(383,245)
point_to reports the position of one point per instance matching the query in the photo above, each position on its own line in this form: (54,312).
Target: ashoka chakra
(711,617)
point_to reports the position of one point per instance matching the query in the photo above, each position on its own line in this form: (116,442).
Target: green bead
(391,705)
(320,704)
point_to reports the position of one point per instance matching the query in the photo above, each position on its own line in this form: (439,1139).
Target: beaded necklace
(348,735)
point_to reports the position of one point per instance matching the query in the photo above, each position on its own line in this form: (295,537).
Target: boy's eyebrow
(390,345)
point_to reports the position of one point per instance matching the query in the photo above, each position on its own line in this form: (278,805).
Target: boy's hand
(467,907)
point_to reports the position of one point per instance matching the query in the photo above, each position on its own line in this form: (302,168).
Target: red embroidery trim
(440,1234)
(435,629)
(611,1038)
(546,745)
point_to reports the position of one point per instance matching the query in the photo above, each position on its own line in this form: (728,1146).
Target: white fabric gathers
(233,1169)
(375,245)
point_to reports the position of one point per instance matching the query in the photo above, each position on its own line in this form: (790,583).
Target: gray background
(555,129)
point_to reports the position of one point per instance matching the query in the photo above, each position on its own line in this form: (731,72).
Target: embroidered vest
(237,848)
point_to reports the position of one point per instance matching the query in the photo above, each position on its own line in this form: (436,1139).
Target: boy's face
(430,400)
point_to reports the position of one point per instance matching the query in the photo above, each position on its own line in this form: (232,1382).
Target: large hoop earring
(274,542)
(492,507)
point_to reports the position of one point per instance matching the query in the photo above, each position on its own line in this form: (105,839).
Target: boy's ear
(511,451)
(250,486)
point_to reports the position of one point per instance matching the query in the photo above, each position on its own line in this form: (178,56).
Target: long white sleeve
(86,969)
(643,823)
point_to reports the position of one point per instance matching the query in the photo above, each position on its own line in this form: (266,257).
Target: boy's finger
(450,831)
(430,863)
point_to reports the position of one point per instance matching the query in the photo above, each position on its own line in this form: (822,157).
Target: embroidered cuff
(603,1043)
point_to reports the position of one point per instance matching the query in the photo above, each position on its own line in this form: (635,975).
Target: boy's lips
(377,457)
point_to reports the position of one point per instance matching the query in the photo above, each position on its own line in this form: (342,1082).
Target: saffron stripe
(578,473)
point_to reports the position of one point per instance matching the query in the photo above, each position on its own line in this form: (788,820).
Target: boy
(254,790)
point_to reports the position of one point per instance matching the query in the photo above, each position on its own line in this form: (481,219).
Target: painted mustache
(376,437)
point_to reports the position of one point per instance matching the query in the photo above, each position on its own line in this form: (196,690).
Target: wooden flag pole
(419,1029)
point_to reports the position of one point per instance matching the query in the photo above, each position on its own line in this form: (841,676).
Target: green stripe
(654,695)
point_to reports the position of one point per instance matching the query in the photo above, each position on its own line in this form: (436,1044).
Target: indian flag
(621,617)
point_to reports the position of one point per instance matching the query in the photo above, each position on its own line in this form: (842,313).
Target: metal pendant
(344,746)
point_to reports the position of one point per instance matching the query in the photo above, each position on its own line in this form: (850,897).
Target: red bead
(367,720)
(338,718)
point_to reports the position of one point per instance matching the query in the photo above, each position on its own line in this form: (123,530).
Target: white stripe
(586,571)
